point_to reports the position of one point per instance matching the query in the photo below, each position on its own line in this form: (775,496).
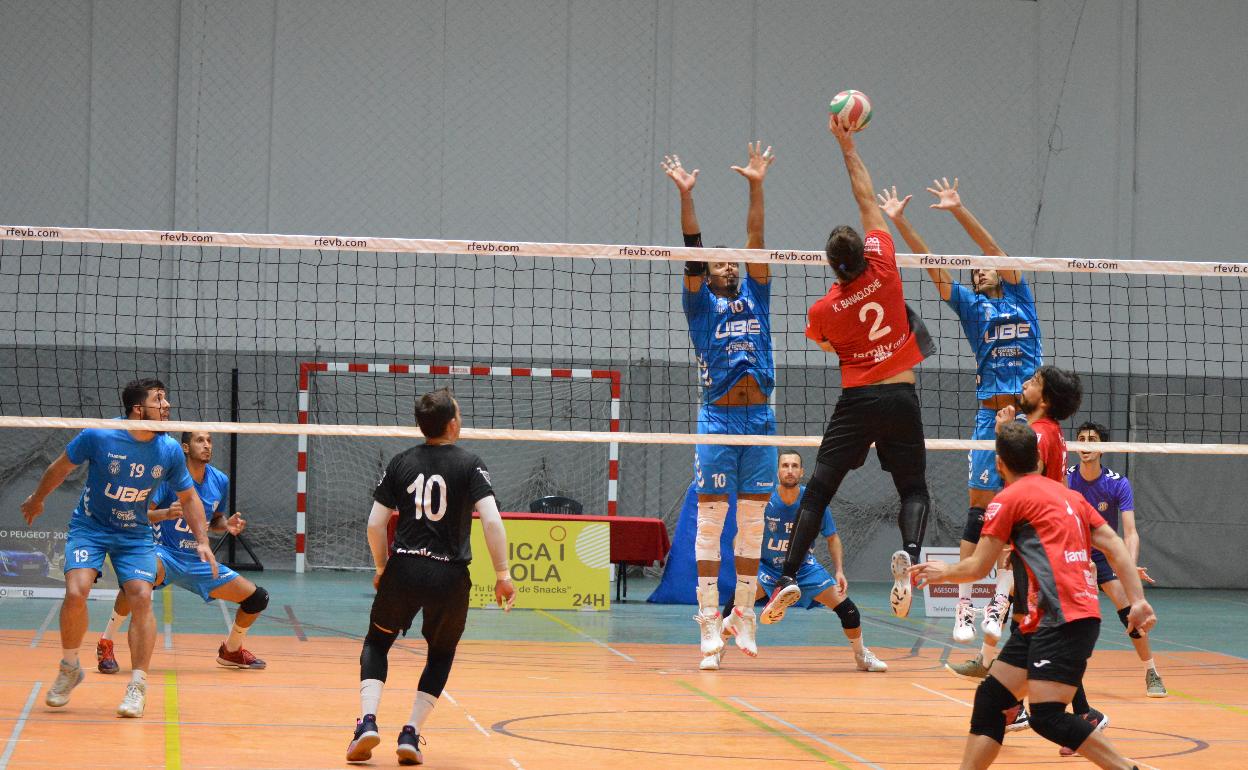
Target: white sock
(138,676)
(708,593)
(114,625)
(747,591)
(235,639)
(988,653)
(70,657)
(1149,665)
(964,591)
(421,708)
(370,696)
(1005,582)
(857,644)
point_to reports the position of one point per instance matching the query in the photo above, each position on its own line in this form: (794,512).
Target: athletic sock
(421,709)
(747,589)
(1149,665)
(709,586)
(964,591)
(138,676)
(114,625)
(235,639)
(988,653)
(370,695)
(69,657)
(1005,582)
(857,644)
(1079,704)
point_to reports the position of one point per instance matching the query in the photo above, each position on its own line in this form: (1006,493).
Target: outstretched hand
(930,571)
(684,180)
(1005,415)
(1141,617)
(759,161)
(890,204)
(947,197)
(1144,576)
(843,133)
(235,524)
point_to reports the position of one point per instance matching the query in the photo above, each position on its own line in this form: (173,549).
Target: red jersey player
(1051,529)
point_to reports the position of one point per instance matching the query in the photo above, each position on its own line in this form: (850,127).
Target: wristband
(503,574)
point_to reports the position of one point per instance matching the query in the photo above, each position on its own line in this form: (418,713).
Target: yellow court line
(1194,699)
(763,725)
(173,730)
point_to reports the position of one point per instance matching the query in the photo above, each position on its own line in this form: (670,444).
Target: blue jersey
(731,337)
(1110,493)
(778,521)
(122,475)
(214,493)
(1004,335)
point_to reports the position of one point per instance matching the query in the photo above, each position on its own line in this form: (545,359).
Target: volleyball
(851,107)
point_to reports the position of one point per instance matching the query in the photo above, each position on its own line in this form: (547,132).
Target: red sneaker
(105,661)
(240,658)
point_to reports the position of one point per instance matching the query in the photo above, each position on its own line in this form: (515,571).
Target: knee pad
(749,541)
(374,662)
(1122,615)
(995,707)
(1051,720)
(256,603)
(912,518)
(711,517)
(847,611)
(974,525)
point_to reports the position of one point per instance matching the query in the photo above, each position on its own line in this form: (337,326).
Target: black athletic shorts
(886,415)
(1057,654)
(1104,572)
(414,584)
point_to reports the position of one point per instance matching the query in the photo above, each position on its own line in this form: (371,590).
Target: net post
(230,540)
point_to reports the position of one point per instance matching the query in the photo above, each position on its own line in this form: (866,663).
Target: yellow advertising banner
(555,565)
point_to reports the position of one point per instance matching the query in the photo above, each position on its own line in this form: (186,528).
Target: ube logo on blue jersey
(125,494)
(1015,331)
(739,328)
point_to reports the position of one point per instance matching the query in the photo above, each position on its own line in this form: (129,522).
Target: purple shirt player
(1110,494)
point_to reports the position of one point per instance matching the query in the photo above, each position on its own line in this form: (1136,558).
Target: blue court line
(43,628)
(11,745)
(295,625)
(808,734)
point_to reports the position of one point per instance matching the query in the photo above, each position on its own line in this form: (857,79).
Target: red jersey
(1052,446)
(865,320)
(1050,528)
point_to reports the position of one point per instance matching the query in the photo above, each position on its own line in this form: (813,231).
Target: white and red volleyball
(851,108)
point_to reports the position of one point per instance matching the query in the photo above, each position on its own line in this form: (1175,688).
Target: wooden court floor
(589,690)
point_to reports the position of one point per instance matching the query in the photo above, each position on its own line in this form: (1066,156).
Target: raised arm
(895,209)
(948,199)
(684,181)
(755,170)
(859,178)
(52,478)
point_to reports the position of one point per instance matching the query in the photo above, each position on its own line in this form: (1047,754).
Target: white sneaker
(902,594)
(711,662)
(994,615)
(785,595)
(136,699)
(868,662)
(712,642)
(67,679)
(964,621)
(741,624)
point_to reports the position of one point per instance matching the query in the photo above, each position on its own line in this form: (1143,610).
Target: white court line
(168,636)
(941,694)
(11,744)
(43,628)
(808,734)
(225,616)
(475,724)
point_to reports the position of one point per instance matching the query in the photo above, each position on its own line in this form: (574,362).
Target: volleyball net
(572,363)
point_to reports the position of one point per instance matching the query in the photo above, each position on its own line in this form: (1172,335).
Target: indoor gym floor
(538,689)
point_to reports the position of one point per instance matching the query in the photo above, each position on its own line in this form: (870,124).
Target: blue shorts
(185,570)
(812,579)
(983,462)
(133,554)
(724,470)
(1104,572)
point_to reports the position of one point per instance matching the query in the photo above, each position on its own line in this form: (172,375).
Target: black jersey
(434,489)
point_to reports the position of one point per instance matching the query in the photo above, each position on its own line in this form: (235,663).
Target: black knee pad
(912,519)
(374,658)
(1122,615)
(974,525)
(256,603)
(847,611)
(1051,720)
(995,707)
